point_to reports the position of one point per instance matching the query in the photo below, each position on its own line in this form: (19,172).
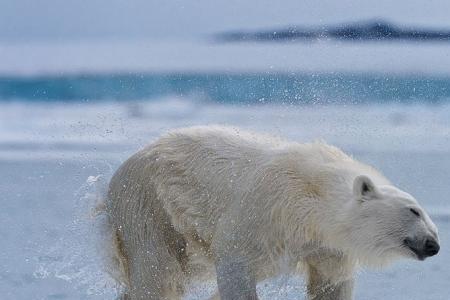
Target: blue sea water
(59,135)
(293,88)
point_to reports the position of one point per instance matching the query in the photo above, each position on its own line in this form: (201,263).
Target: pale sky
(81,19)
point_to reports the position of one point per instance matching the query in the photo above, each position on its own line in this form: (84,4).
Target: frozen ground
(202,55)
(51,154)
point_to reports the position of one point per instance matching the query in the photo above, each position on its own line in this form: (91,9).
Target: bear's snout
(422,249)
(431,247)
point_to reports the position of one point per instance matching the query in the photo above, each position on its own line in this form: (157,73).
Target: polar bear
(242,207)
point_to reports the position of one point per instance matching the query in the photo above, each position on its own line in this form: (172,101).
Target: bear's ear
(364,189)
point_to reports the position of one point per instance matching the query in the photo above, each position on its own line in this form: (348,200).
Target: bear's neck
(318,216)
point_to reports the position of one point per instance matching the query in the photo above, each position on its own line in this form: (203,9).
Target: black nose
(431,247)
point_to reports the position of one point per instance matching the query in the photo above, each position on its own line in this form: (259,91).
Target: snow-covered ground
(204,55)
(50,155)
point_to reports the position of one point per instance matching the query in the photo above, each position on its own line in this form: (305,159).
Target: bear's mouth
(412,248)
(418,255)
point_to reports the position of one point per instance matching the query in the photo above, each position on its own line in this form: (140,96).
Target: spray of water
(81,256)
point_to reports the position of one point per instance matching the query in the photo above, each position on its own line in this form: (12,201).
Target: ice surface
(202,55)
(52,154)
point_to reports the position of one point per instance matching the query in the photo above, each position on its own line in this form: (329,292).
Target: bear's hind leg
(157,262)
(155,275)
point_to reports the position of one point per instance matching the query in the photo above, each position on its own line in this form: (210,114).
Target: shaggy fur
(217,201)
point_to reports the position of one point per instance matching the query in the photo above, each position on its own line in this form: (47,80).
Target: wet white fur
(275,205)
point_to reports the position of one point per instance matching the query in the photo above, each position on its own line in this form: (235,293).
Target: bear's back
(198,172)
(209,152)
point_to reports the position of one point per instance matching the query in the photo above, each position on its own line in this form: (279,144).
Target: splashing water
(78,256)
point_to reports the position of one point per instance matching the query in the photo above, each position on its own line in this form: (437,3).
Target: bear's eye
(414,211)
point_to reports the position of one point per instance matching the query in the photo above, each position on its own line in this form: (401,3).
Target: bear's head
(387,223)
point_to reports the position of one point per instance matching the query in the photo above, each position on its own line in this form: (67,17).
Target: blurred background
(84,84)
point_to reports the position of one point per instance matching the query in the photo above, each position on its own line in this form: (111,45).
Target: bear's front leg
(330,277)
(235,279)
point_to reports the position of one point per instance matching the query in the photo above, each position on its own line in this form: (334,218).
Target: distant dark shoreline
(377,30)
